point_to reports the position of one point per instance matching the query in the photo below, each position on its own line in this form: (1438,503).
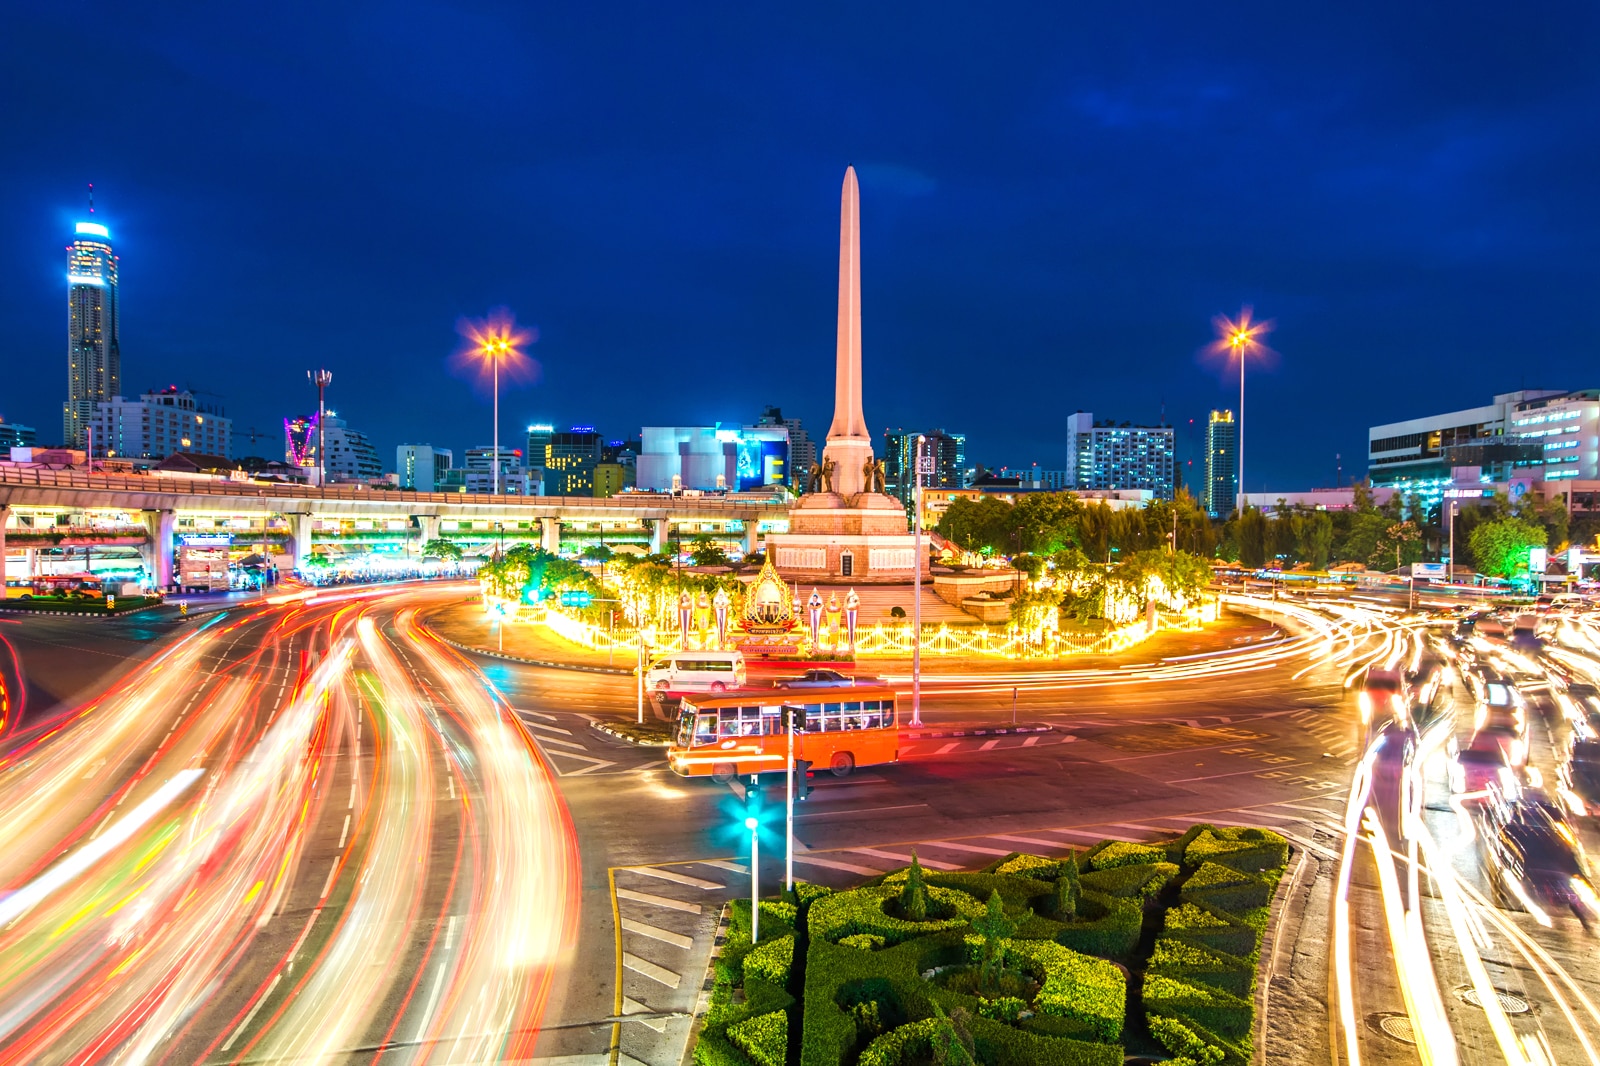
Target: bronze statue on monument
(872,476)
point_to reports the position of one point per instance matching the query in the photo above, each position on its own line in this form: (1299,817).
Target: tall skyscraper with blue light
(94,331)
(1221,491)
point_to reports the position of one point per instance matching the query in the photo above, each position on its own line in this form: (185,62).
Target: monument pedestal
(855,540)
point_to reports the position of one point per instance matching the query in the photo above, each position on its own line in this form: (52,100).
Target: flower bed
(1013,962)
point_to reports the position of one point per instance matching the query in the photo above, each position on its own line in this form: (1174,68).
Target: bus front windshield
(696,727)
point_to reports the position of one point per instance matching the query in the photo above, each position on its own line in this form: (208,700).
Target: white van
(697,671)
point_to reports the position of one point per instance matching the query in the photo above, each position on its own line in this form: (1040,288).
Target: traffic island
(1127,949)
(90,608)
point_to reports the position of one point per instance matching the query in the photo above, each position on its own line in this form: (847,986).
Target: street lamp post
(916,591)
(322,379)
(1450,568)
(754,826)
(788,806)
(1239,341)
(640,671)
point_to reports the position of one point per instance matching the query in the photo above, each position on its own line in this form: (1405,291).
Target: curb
(83,614)
(979,732)
(610,731)
(530,662)
(702,1002)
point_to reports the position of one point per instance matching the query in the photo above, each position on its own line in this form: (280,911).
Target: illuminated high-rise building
(1221,492)
(94,341)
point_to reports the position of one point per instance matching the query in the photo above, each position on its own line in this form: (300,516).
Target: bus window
(705,728)
(871,714)
(813,718)
(749,721)
(852,716)
(830,718)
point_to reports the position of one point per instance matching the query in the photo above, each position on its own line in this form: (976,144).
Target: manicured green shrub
(1146,880)
(999,1044)
(1190,962)
(771,960)
(805,893)
(861,910)
(1001,1008)
(837,977)
(863,941)
(777,918)
(914,896)
(1184,1042)
(1107,926)
(1207,928)
(765,1038)
(1252,850)
(1176,848)
(1114,853)
(1069,887)
(1229,889)
(1073,985)
(1016,890)
(890,1049)
(993,931)
(1029,866)
(1210,1008)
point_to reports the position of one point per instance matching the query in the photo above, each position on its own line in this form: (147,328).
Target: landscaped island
(1124,948)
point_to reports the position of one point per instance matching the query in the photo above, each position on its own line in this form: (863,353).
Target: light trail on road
(264,839)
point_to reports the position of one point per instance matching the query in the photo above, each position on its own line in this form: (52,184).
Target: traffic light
(802,779)
(576,598)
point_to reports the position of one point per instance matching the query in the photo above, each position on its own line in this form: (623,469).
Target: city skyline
(1063,209)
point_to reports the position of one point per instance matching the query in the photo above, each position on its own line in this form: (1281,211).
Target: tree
(1501,545)
(977,524)
(598,553)
(1068,889)
(914,897)
(439,548)
(952,1038)
(1250,534)
(1360,542)
(707,553)
(1402,542)
(1044,522)
(994,927)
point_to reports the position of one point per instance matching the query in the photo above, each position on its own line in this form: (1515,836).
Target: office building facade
(159,424)
(802,449)
(570,459)
(94,331)
(1423,450)
(1566,429)
(1220,493)
(351,456)
(421,467)
(1108,455)
(712,458)
(17,435)
(949,454)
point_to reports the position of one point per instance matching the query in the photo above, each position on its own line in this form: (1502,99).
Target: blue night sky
(1055,203)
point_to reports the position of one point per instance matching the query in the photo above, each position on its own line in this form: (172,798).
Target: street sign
(1430,571)
(924,464)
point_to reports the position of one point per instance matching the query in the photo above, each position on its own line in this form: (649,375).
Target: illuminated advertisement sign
(760,462)
(207,540)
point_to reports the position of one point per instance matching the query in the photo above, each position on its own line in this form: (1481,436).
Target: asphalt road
(349,863)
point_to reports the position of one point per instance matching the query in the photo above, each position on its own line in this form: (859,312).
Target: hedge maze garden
(1143,949)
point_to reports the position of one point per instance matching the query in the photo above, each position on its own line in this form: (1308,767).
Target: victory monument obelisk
(845,530)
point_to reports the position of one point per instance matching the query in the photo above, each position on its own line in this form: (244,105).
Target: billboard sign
(1428,571)
(1538,559)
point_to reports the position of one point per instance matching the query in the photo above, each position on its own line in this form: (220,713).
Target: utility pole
(1450,568)
(754,825)
(640,671)
(788,807)
(916,593)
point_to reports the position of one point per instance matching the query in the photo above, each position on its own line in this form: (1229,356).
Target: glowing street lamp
(1239,339)
(497,341)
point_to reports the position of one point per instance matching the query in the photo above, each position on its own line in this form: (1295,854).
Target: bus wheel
(722,772)
(843,762)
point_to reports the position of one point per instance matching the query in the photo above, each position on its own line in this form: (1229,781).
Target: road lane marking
(952,746)
(327,886)
(986,745)
(975,849)
(248,1018)
(1085,834)
(1030,742)
(433,1001)
(562,743)
(450,932)
(549,728)
(1033,842)
(658,901)
(723,864)
(673,875)
(832,864)
(315,912)
(343,833)
(352,804)
(897,857)
(451,783)
(677,940)
(659,974)
(858,810)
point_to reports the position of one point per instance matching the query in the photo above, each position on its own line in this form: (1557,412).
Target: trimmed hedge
(1228,889)
(1248,849)
(1087,990)
(1029,866)
(1189,962)
(765,1038)
(1146,879)
(1222,1012)
(1113,853)
(861,910)
(771,960)
(1113,933)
